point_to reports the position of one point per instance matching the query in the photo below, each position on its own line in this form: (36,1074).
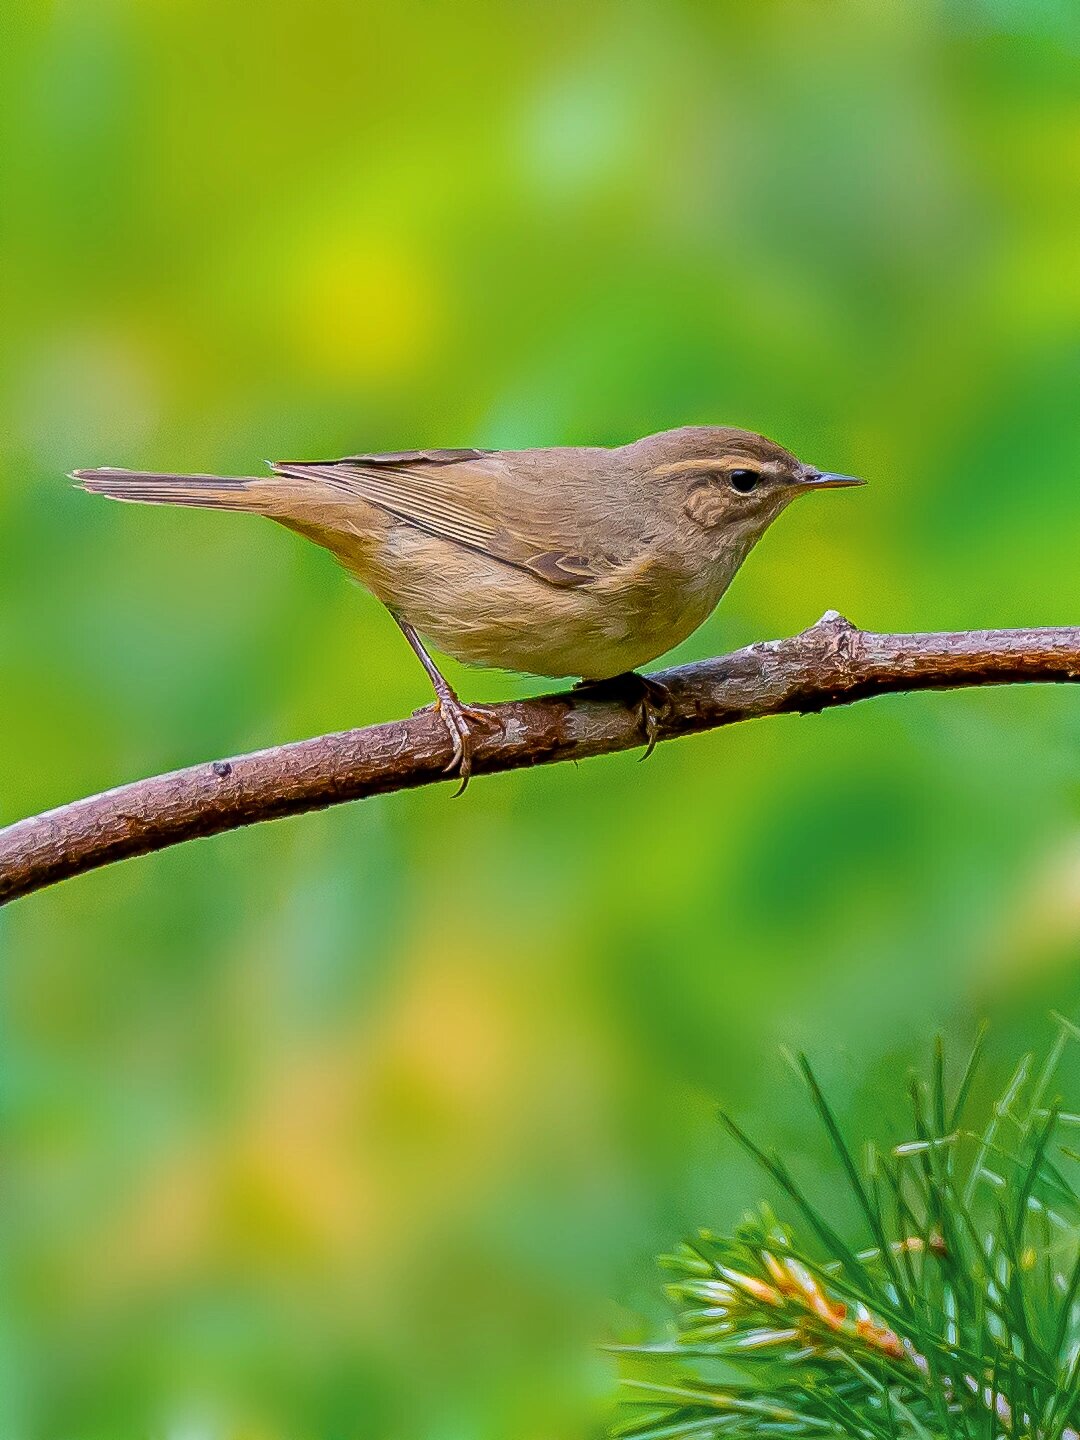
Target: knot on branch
(833,665)
(833,635)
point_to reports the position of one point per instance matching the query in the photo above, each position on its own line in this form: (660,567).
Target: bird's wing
(470,498)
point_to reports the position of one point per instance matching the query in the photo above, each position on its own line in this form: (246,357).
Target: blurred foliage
(960,1321)
(367,1123)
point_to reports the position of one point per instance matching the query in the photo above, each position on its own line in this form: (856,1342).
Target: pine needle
(961,1321)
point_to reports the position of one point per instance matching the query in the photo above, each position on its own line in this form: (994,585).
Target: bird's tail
(211,492)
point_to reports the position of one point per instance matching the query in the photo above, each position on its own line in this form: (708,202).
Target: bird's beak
(826,480)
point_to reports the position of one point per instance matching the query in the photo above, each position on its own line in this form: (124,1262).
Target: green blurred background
(369,1123)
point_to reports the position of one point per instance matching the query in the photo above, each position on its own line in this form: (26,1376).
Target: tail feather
(213,492)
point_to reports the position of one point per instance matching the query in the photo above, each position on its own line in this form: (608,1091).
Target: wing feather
(454,495)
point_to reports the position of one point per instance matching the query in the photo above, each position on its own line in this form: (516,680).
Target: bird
(561,561)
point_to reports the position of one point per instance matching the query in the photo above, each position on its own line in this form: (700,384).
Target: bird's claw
(648,697)
(654,705)
(459,720)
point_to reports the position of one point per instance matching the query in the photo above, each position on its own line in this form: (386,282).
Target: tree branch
(832,663)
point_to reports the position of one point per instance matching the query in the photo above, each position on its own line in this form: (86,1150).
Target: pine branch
(832,663)
(960,1321)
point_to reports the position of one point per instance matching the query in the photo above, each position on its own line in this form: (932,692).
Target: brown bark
(832,663)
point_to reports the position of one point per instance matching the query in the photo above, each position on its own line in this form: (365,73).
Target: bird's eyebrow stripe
(729,462)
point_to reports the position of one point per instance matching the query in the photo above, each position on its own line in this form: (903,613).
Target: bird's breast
(485,612)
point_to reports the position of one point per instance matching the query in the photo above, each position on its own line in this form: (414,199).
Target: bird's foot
(648,697)
(459,720)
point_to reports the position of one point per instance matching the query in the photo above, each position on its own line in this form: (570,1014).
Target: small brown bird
(566,561)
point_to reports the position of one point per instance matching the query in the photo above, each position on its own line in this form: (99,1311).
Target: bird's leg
(455,716)
(648,697)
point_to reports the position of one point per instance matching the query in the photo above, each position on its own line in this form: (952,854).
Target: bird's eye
(743,480)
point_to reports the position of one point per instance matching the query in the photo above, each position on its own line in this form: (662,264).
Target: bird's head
(731,481)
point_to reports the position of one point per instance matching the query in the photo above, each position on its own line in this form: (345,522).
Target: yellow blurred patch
(366,313)
(1038,283)
(1035,934)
